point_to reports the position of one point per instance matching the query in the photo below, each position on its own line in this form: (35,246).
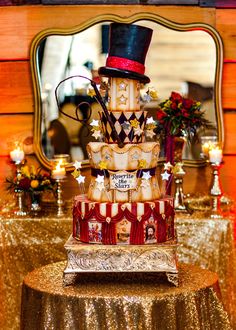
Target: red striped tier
(123,223)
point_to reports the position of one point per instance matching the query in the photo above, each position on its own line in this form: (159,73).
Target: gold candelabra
(179,195)
(216,191)
(17,156)
(60,202)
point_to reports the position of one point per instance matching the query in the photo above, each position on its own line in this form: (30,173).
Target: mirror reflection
(183,61)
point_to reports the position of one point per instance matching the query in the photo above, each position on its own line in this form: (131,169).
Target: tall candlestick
(216,191)
(59,173)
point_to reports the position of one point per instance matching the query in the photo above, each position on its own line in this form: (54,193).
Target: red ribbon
(125,64)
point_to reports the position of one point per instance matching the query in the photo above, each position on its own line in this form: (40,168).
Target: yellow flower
(34,184)
(167,104)
(142,163)
(102,165)
(32,170)
(134,123)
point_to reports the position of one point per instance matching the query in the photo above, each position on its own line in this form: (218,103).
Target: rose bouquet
(180,116)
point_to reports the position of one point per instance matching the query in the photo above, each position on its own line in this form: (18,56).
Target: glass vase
(35,197)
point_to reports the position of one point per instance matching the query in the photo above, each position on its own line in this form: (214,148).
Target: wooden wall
(20,24)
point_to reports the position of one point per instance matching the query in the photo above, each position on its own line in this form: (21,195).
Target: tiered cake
(123,207)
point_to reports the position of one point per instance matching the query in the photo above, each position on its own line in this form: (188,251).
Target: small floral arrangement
(30,180)
(180,116)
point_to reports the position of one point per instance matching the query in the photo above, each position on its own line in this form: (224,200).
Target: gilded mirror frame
(131,19)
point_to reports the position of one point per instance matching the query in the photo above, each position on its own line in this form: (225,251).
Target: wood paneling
(19,25)
(226,26)
(230,133)
(14,128)
(229,86)
(16,90)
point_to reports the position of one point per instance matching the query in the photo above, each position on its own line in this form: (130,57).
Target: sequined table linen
(26,244)
(144,303)
(209,243)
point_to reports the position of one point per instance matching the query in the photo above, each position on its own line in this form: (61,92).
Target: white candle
(59,172)
(17,155)
(215,156)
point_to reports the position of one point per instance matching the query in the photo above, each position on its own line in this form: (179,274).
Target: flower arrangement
(30,180)
(180,116)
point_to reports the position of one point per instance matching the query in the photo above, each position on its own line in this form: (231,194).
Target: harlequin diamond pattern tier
(122,123)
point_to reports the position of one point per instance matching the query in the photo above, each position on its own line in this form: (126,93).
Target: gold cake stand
(94,258)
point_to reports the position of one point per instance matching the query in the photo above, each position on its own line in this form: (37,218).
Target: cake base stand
(94,258)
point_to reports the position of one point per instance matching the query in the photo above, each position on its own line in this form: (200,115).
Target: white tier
(126,158)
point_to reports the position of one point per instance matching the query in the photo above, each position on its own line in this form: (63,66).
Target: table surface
(26,244)
(128,302)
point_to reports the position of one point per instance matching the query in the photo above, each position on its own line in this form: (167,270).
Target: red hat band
(125,64)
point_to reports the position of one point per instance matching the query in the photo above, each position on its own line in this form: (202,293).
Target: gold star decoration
(142,163)
(153,93)
(134,123)
(122,100)
(102,165)
(91,92)
(76,173)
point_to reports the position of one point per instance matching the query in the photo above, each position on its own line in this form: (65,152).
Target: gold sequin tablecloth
(145,303)
(26,244)
(209,243)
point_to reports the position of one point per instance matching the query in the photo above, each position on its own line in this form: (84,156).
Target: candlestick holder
(216,191)
(60,202)
(20,211)
(179,195)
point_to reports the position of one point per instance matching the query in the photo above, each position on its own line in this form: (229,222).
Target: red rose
(176,97)
(187,103)
(24,184)
(160,116)
(185,113)
(174,106)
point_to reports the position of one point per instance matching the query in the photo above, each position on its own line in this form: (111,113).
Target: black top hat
(128,46)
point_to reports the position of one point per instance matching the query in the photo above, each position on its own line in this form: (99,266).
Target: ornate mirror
(186,58)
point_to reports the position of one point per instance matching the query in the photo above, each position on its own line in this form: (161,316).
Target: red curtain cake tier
(123,223)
